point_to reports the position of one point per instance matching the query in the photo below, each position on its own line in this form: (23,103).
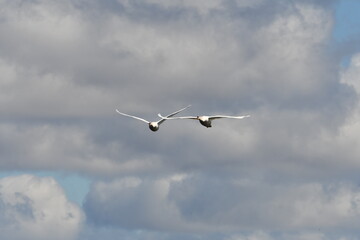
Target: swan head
(154,126)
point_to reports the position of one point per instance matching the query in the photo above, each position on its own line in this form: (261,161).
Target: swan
(154,126)
(205,120)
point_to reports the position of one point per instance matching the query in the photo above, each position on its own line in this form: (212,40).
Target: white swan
(154,126)
(205,120)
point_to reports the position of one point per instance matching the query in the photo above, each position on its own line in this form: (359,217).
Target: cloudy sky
(74,169)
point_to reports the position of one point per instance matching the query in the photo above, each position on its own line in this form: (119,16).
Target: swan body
(154,126)
(205,120)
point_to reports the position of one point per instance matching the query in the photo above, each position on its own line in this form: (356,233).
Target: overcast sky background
(73,169)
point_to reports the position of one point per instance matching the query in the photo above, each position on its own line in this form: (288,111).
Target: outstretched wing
(224,116)
(141,119)
(186,117)
(171,114)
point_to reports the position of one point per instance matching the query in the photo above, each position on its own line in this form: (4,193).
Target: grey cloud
(258,235)
(203,204)
(218,56)
(270,59)
(139,205)
(277,71)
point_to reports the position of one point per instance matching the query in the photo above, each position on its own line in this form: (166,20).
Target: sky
(71,168)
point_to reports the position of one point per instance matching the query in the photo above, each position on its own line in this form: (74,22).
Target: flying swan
(205,120)
(154,126)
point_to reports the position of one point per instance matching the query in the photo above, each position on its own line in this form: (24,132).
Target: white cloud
(37,208)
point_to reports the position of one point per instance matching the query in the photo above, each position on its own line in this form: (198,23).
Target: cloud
(210,204)
(259,235)
(99,58)
(37,208)
(140,204)
(61,89)
(291,166)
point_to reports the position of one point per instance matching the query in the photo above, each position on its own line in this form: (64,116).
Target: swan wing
(127,115)
(225,116)
(185,117)
(171,114)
